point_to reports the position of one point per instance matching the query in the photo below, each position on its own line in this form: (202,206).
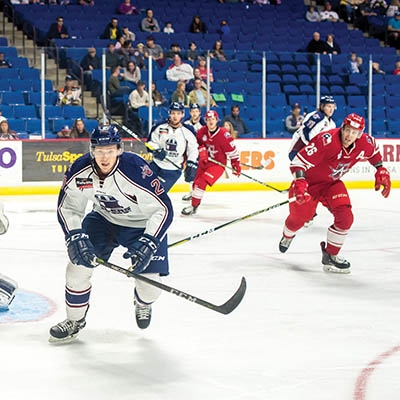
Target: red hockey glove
(203,156)
(237,169)
(300,186)
(382,178)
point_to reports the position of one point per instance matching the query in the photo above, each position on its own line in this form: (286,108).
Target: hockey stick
(130,131)
(249,177)
(225,308)
(252,166)
(253,214)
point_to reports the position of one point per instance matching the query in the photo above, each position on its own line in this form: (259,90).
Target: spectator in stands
(126,53)
(294,120)
(155,51)
(58,30)
(78,130)
(312,14)
(112,58)
(86,2)
(88,63)
(126,8)
(179,71)
(128,35)
(168,28)
(3,62)
(199,96)
(70,94)
(218,52)
(190,84)
(327,14)
(180,95)
(379,6)
(347,9)
(114,86)
(197,25)
(229,127)
(362,14)
(234,118)
(195,119)
(202,66)
(376,68)
(139,56)
(131,73)
(316,45)
(191,53)
(139,97)
(396,71)
(174,49)
(393,28)
(64,133)
(331,47)
(393,8)
(156,95)
(6,133)
(149,23)
(112,31)
(224,29)
(354,65)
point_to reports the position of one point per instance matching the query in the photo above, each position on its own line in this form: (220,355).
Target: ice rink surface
(299,333)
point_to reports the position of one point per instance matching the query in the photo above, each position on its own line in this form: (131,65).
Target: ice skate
(333,263)
(143,314)
(66,331)
(3,221)
(284,244)
(187,197)
(189,210)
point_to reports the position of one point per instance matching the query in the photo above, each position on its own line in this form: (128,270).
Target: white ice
(299,333)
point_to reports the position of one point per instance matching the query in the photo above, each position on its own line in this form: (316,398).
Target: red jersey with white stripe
(325,159)
(219,144)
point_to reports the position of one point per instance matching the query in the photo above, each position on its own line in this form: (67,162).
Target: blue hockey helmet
(194,106)
(175,106)
(327,100)
(105,135)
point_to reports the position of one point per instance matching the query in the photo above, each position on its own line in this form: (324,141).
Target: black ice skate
(187,197)
(143,313)
(190,210)
(66,331)
(284,244)
(333,263)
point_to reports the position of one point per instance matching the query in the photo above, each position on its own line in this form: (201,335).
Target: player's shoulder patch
(326,138)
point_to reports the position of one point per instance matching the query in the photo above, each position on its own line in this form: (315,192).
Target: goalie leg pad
(7,291)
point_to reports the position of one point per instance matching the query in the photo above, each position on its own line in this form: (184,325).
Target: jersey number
(310,149)
(158,189)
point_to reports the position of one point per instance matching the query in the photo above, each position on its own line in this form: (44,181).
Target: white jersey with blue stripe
(131,195)
(179,143)
(313,123)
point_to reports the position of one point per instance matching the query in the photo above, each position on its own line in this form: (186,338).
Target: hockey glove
(237,169)
(190,171)
(300,186)
(382,178)
(142,252)
(203,156)
(80,249)
(160,154)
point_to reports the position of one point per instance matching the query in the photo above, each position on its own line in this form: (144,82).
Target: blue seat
(275,113)
(20,62)
(394,127)
(306,89)
(254,101)
(7,111)
(57,124)
(25,112)
(13,98)
(276,100)
(22,85)
(393,101)
(50,98)
(379,128)
(91,124)
(275,127)
(290,89)
(337,89)
(356,101)
(17,125)
(34,126)
(289,79)
(9,73)
(29,73)
(37,85)
(73,112)
(352,90)
(5,85)
(53,112)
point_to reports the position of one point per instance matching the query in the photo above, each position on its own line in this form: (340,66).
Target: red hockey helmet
(355,121)
(211,114)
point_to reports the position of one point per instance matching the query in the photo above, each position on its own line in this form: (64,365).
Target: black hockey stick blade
(225,308)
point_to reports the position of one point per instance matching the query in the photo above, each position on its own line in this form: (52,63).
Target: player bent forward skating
(130,209)
(317,170)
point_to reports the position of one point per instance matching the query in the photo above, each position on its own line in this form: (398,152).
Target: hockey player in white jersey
(195,120)
(7,285)
(175,148)
(313,123)
(130,209)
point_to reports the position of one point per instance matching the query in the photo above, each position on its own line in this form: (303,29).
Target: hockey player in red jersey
(317,170)
(215,143)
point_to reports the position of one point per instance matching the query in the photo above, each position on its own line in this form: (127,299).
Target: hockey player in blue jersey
(130,208)
(314,122)
(175,148)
